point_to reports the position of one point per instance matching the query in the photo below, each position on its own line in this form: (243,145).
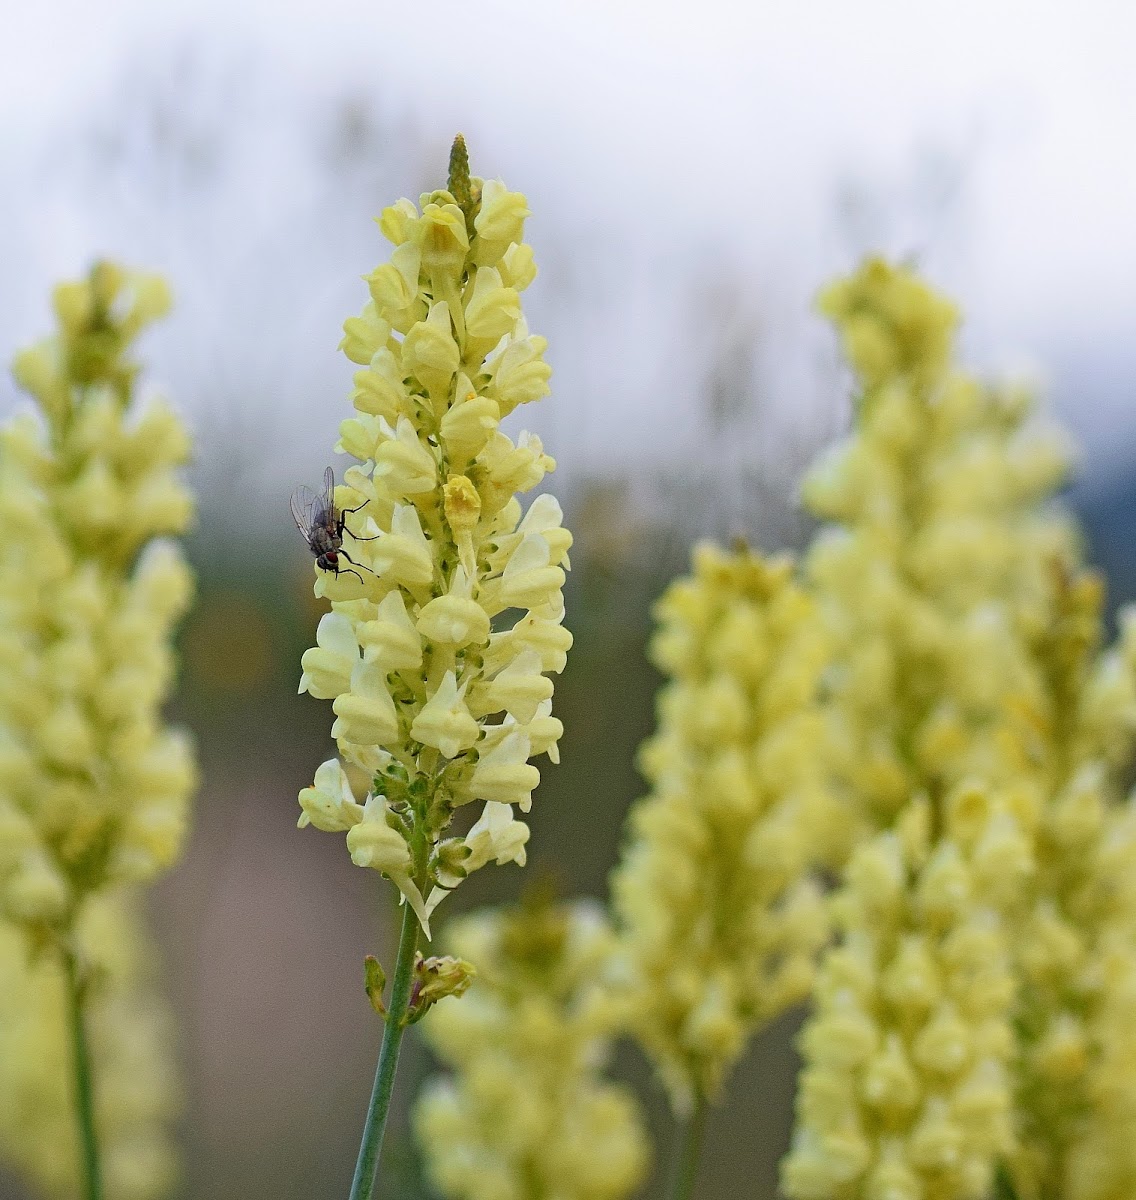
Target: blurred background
(696,172)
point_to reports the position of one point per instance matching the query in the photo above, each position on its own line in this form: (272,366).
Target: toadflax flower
(1076,931)
(93,786)
(138,1093)
(439,645)
(962,1023)
(923,580)
(720,921)
(526,1112)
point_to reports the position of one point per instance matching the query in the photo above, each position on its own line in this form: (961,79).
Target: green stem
(690,1148)
(363,1184)
(1003,1184)
(84,1096)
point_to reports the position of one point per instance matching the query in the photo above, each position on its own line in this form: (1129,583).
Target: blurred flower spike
(93,787)
(972,1030)
(720,919)
(526,1110)
(132,1047)
(440,695)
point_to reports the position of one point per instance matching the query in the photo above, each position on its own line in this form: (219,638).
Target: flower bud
(366,713)
(445,721)
(364,336)
(496,835)
(491,310)
(374,843)
(503,773)
(329,804)
(391,640)
(436,978)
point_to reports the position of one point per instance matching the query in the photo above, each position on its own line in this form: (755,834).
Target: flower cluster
(974,724)
(933,569)
(926,582)
(526,1114)
(130,1032)
(905,1092)
(1076,1091)
(93,787)
(720,920)
(441,697)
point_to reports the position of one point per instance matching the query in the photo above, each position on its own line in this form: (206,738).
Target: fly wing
(328,516)
(304,505)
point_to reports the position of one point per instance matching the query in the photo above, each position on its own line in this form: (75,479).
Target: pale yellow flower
(905,1090)
(94,788)
(130,1032)
(440,693)
(526,1112)
(968,1021)
(719,918)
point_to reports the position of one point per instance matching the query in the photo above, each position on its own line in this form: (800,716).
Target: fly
(323,526)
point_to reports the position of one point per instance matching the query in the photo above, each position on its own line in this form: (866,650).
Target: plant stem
(84,1097)
(690,1147)
(363,1184)
(1004,1184)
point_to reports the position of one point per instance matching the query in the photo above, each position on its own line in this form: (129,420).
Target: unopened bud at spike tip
(459,180)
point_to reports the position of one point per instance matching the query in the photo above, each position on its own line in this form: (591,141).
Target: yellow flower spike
(438,709)
(89,609)
(1077,1096)
(976,726)
(909,1049)
(526,1110)
(95,789)
(130,1035)
(408,657)
(718,922)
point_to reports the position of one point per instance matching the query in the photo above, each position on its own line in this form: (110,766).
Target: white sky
(667,140)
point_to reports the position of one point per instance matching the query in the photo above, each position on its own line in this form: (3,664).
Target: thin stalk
(366,1167)
(1003,1184)
(690,1148)
(84,1095)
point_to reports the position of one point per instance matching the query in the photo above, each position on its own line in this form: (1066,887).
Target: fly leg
(356,538)
(347,556)
(343,524)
